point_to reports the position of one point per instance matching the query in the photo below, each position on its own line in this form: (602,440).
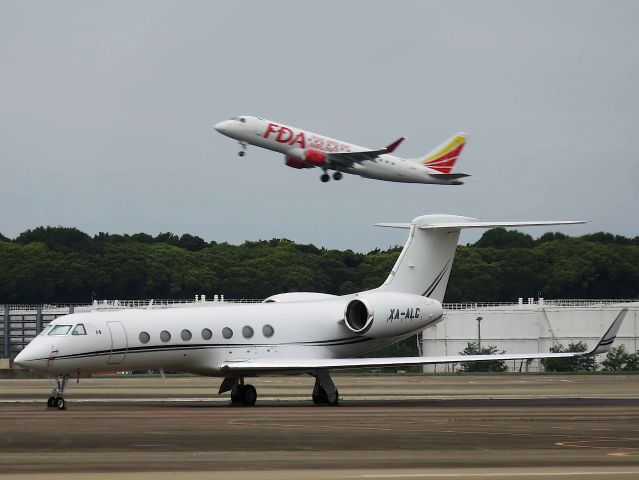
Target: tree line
(56,265)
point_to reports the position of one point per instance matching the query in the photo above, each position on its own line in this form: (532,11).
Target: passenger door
(119,342)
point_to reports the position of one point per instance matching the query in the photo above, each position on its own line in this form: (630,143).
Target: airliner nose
(223,127)
(19,360)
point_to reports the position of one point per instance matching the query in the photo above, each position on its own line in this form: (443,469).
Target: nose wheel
(56,400)
(242,152)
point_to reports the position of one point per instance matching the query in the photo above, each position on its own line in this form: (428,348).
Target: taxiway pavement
(505,426)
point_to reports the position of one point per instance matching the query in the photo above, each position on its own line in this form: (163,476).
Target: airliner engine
(306,159)
(386,314)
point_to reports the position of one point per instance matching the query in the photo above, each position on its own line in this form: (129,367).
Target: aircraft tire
(334,400)
(337,176)
(249,396)
(319,396)
(237,394)
(325,177)
(59,403)
(50,402)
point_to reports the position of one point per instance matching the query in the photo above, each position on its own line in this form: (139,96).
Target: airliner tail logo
(443,158)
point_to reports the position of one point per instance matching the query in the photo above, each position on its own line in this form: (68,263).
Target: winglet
(609,337)
(391,148)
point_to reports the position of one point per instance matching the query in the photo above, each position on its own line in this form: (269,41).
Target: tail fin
(425,263)
(443,158)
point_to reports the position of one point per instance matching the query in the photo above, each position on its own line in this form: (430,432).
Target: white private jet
(290,333)
(303,149)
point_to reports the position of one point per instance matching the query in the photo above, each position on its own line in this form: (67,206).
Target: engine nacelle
(295,163)
(314,157)
(377,314)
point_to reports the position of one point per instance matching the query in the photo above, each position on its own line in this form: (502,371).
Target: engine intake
(358,315)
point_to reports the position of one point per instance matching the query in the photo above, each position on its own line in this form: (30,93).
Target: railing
(164,303)
(543,303)
(118,304)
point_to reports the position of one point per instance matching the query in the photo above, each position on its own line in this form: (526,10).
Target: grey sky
(106,114)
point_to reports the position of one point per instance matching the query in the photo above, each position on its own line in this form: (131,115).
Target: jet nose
(223,127)
(32,357)
(20,360)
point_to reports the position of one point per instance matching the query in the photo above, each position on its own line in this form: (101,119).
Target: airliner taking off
(289,333)
(303,149)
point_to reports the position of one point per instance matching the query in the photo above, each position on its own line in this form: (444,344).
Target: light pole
(479,319)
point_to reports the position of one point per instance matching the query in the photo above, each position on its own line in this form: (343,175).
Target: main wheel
(337,176)
(319,396)
(236,394)
(249,396)
(325,177)
(59,403)
(50,402)
(333,399)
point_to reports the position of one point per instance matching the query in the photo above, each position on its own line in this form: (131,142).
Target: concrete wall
(527,328)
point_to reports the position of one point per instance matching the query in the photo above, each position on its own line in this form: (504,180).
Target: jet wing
(307,365)
(349,158)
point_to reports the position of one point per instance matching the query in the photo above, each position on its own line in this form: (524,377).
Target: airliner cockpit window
(60,330)
(46,329)
(79,330)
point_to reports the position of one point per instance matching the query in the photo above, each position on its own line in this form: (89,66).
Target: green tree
(484,366)
(502,238)
(570,364)
(616,359)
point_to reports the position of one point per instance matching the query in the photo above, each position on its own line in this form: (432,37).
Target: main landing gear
(242,152)
(325,177)
(56,400)
(241,394)
(324,391)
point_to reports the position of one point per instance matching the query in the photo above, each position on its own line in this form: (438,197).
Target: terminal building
(524,327)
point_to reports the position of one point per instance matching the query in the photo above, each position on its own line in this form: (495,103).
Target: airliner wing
(297,365)
(349,158)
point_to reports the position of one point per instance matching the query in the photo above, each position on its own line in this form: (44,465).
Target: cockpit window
(79,330)
(46,329)
(60,330)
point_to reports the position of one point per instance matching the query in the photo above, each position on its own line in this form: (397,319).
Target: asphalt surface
(523,426)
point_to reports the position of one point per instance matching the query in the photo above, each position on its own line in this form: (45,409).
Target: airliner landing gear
(324,391)
(337,176)
(241,394)
(56,400)
(325,177)
(244,395)
(242,152)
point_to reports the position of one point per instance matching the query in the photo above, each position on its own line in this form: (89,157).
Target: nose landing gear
(242,152)
(56,400)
